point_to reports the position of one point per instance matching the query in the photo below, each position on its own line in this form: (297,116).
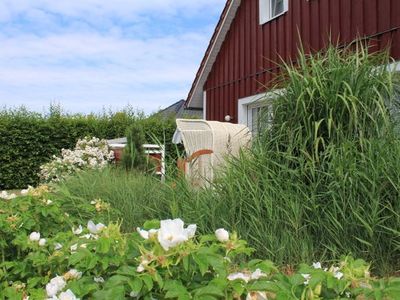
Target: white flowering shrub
(89,153)
(50,254)
(7,196)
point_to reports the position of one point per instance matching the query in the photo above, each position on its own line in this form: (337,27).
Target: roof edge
(213,49)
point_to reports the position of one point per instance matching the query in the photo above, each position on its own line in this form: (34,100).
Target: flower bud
(317,290)
(34,236)
(222,235)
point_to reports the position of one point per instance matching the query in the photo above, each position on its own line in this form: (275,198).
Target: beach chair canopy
(223,139)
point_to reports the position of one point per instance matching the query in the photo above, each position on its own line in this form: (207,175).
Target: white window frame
(255,101)
(250,121)
(394,66)
(265,10)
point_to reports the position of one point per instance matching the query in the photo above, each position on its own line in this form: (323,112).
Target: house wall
(246,63)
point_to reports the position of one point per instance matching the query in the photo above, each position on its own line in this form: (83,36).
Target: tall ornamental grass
(135,195)
(321,181)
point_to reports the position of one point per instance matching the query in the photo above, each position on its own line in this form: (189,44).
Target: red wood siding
(247,60)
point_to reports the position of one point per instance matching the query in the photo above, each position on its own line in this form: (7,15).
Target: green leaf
(117,292)
(77,257)
(202,262)
(152,224)
(148,281)
(12,294)
(33,282)
(127,270)
(116,280)
(262,285)
(135,284)
(210,290)
(185,261)
(175,289)
(103,245)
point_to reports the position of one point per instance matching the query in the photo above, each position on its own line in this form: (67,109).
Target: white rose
(34,236)
(239,276)
(95,228)
(147,234)
(59,282)
(172,233)
(317,265)
(338,275)
(42,242)
(257,274)
(51,290)
(54,286)
(73,274)
(307,278)
(98,279)
(100,227)
(77,230)
(191,230)
(24,192)
(140,268)
(153,233)
(67,295)
(143,233)
(222,235)
(4,195)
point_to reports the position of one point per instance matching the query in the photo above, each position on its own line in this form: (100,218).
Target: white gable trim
(196,97)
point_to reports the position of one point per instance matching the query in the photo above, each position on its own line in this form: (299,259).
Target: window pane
(259,118)
(395,105)
(255,116)
(277,7)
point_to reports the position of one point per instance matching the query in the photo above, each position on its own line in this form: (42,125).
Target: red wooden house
(252,35)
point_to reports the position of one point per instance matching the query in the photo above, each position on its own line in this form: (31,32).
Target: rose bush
(89,153)
(49,253)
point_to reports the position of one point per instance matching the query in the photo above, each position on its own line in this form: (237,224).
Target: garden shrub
(160,130)
(29,140)
(133,155)
(48,254)
(89,153)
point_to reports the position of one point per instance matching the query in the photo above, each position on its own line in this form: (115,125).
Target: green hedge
(27,140)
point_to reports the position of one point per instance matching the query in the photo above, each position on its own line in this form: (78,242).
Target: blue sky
(92,54)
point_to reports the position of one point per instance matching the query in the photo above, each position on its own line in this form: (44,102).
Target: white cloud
(86,66)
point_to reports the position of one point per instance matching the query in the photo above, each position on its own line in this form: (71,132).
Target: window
(271,9)
(277,7)
(394,108)
(256,111)
(259,117)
